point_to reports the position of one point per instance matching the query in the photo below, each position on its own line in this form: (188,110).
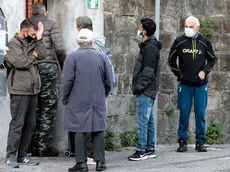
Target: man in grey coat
(87,80)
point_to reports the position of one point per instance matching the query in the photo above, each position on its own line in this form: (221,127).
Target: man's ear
(24,31)
(198,28)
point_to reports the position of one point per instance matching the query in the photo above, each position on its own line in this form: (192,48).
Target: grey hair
(84,22)
(193,18)
(38,9)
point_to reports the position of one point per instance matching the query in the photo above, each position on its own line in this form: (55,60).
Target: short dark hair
(28,23)
(149,26)
(84,22)
(38,9)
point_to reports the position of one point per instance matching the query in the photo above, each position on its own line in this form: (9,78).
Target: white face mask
(189,32)
(139,34)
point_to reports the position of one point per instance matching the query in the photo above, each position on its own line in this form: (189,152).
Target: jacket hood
(152,40)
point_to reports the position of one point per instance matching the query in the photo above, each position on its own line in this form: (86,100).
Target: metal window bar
(27,11)
(45,3)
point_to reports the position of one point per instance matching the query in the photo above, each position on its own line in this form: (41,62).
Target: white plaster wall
(14,13)
(65,12)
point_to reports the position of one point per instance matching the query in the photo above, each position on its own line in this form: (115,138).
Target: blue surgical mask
(139,34)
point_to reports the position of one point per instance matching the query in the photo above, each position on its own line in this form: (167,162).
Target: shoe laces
(183,143)
(12,158)
(26,159)
(200,145)
(138,152)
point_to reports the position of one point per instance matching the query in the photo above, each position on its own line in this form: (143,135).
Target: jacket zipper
(193,49)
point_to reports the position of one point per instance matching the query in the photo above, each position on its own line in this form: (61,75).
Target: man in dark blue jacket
(145,86)
(196,58)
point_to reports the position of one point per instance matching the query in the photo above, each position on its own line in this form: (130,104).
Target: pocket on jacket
(22,80)
(193,78)
(143,80)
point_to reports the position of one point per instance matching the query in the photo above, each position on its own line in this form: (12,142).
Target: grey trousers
(98,147)
(22,125)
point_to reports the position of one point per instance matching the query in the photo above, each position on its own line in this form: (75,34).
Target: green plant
(109,137)
(170,111)
(206,29)
(128,138)
(214,134)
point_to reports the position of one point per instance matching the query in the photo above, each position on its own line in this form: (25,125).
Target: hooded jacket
(23,74)
(146,74)
(195,55)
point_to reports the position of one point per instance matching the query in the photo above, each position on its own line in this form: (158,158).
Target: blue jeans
(186,95)
(145,123)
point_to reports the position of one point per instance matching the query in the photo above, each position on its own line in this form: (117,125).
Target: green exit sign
(93,4)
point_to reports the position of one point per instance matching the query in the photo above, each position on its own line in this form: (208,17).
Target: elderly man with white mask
(87,80)
(196,59)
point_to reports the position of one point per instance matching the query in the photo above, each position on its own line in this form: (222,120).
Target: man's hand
(35,53)
(40,31)
(201,75)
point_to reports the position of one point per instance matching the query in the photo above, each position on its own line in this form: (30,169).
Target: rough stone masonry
(121,24)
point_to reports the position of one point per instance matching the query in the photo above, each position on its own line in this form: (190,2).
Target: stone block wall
(121,24)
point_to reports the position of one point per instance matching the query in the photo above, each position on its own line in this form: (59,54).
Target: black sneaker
(100,166)
(79,167)
(28,160)
(150,154)
(11,161)
(201,148)
(138,155)
(182,146)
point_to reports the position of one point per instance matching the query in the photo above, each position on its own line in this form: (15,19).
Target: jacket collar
(22,40)
(142,44)
(83,47)
(39,17)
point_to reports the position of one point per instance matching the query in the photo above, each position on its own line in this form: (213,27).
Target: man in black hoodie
(145,86)
(196,58)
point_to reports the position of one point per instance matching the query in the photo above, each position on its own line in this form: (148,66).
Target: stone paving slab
(217,159)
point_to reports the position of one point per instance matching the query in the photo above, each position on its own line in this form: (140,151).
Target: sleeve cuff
(205,71)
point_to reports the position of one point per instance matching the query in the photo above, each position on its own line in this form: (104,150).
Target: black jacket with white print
(195,55)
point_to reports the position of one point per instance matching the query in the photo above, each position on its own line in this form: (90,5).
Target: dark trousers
(22,125)
(89,145)
(98,147)
(186,95)
(88,142)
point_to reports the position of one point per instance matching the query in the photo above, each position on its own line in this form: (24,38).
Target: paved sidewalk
(217,159)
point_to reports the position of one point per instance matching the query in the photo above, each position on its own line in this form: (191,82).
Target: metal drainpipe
(157,35)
